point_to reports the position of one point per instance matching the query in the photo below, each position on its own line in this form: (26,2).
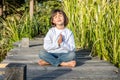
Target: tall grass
(16,29)
(19,25)
(3,43)
(96,26)
(13,30)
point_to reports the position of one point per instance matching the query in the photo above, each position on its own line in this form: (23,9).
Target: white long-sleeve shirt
(51,41)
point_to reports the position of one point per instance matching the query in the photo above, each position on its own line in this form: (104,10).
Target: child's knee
(42,53)
(72,55)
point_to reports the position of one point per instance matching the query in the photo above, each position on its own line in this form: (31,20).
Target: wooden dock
(88,68)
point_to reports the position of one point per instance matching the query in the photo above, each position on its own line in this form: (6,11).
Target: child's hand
(60,39)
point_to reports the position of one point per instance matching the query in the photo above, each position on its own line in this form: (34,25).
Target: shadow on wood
(53,74)
(82,55)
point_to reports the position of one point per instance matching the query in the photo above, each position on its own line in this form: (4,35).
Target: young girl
(58,43)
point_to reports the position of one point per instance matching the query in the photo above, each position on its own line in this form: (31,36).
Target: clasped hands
(60,39)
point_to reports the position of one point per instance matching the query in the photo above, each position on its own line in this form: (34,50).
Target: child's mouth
(59,21)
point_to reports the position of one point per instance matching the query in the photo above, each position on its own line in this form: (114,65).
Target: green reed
(96,26)
(13,30)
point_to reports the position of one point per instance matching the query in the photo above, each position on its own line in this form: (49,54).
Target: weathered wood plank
(15,71)
(88,68)
(1,77)
(22,61)
(30,49)
(36,42)
(119,74)
(3,65)
(30,61)
(47,78)
(23,57)
(2,72)
(32,57)
(72,74)
(21,53)
(77,68)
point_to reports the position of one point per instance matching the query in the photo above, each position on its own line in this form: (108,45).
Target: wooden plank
(78,68)
(32,57)
(30,49)
(25,59)
(47,78)
(2,69)
(119,74)
(31,43)
(21,53)
(70,72)
(28,57)
(1,77)
(22,61)
(72,75)
(30,61)
(15,71)
(3,65)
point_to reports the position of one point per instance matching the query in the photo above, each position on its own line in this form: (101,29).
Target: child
(58,43)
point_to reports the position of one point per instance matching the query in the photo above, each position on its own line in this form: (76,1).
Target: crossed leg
(65,60)
(43,62)
(63,64)
(68,64)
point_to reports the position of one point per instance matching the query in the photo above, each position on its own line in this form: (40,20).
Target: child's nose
(58,17)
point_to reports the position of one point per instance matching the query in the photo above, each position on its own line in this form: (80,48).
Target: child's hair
(54,12)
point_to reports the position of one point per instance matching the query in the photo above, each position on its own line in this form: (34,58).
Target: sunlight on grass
(96,26)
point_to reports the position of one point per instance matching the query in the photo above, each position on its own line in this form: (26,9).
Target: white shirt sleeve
(48,42)
(70,44)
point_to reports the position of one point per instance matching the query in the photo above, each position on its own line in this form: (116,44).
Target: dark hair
(53,13)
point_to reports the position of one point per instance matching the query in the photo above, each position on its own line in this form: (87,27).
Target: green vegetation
(18,25)
(96,26)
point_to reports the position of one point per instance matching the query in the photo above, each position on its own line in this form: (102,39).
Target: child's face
(58,19)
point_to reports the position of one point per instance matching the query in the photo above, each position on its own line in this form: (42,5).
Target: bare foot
(68,64)
(43,63)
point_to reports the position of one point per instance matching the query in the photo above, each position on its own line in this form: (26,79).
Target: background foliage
(96,26)
(17,23)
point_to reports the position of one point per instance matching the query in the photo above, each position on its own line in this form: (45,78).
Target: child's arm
(69,44)
(49,44)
